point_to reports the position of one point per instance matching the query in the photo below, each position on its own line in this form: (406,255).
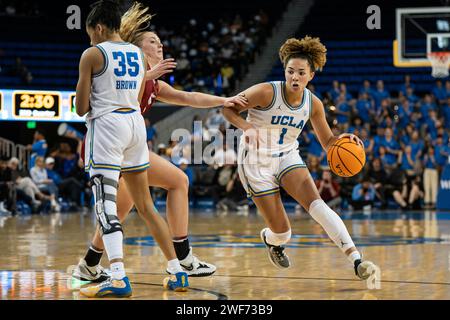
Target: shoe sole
(197,275)
(98,280)
(269,255)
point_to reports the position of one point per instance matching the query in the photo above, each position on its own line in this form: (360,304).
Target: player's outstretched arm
(323,130)
(195,99)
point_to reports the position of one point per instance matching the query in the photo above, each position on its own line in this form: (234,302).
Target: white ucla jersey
(280,124)
(118,84)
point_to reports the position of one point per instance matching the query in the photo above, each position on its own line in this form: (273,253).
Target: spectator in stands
(7,195)
(335,90)
(407,84)
(378,139)
(411,96)
(363,195)
(439,92)
(447,88)
(235,197)
(426,105)
(356,126)
(69,188)
(407,162)
(431,124)
(380,93)
(151,133)
(39,146)
(404,112)
(329,190)
(314,167)
(366,89)
(384,111)
(445,109)
(368,143)
(388,162)
(391,145)
(342,111)
(365,108)
(66,162)
(378,177)
(27,190)
(430,178)
(417,145)
(45,185)
(344,92)
(441,152)
(214,119)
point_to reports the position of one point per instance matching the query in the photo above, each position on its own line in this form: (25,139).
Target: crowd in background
(212,56)
(406,139)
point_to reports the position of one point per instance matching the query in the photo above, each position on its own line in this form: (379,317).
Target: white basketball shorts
(261,175)
(117,141)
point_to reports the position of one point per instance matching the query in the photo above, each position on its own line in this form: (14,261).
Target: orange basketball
(346,158)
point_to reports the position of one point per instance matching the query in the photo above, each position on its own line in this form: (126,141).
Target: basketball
(346,158)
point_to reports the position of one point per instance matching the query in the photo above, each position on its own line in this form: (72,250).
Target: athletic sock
(93,256)
(117,270)
(182,248)
(174,266)
(355,255)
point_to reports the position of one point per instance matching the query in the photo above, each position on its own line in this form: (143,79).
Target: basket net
(439,63)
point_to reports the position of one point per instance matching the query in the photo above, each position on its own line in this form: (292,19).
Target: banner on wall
(443,199)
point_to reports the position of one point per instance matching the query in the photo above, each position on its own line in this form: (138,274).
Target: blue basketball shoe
(177,282)
(110,288)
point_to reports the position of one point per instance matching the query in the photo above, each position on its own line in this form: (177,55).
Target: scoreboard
(32,105)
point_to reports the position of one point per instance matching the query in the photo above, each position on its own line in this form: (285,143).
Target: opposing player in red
(163,174)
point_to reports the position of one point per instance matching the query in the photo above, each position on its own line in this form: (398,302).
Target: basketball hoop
(440,63)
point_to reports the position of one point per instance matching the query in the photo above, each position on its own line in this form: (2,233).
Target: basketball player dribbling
(161,173)
(269,158)
(110,86)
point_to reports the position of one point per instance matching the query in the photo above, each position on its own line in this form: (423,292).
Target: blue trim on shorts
(289,169)
(139,168)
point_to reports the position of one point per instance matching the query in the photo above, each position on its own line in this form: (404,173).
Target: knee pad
(108,223)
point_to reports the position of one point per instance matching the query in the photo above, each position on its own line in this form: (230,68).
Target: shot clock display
(34,105)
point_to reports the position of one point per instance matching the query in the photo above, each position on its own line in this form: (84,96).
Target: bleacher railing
(9,149)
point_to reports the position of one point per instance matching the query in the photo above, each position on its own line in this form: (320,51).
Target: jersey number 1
(283,133)
(131,59)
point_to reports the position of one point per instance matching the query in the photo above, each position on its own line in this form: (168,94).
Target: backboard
(420,31)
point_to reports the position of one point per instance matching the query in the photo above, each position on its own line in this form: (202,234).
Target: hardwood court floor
(412,251)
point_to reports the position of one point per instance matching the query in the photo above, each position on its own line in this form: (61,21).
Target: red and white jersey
(150,93)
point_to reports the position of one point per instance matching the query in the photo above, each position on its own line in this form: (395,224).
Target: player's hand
(353,138)
(161,68)
(236,100)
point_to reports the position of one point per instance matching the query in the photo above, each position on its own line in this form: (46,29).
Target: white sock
(113,245)
(174,266)
(332,223)
(355,255)
(277,239)
(117,270)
